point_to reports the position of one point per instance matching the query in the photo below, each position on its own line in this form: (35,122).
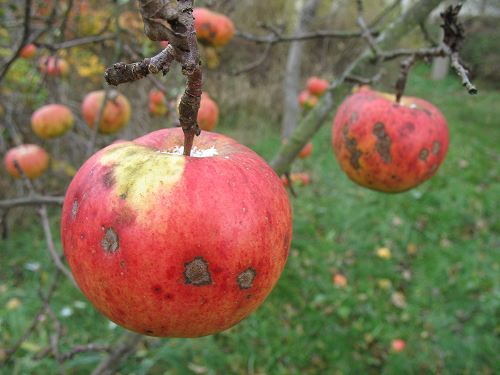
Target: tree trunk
(292,74)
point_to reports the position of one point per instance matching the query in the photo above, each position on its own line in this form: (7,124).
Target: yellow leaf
(13,303)
(384,253)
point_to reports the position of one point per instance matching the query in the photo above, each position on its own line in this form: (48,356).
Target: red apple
(212,28)
(398,345)
(32,159)
(387,146)
(157,103)
(317,86)
(28,51)
(116,111)
(208,114)
(306,100)
(224,30)
(175,246)
(52,120)
(306,151)
(53,66)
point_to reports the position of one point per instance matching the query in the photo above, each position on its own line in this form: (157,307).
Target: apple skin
(116,112)
(387,146)
(28,51)
(306,100)
(174,246)
(306,151)
(157,103)
(317,86)
(398,345)
(52,120)
(208,114)
(32,159)
(53,66)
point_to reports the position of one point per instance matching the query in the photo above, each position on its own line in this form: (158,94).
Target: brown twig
(365,32)
(92,347)
(31,200)
(172,21)
(406,65)
(121,350)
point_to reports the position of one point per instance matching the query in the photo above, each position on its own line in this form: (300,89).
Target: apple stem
(405,65)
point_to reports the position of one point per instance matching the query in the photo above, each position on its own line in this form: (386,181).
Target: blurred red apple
(306,151)
(52,120)
(398,345)
(32,159)
(317,86)
(53,66)
(28,51)
(157,103)
(116,111)
(306,100)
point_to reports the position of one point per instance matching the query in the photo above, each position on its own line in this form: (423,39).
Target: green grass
(450,283)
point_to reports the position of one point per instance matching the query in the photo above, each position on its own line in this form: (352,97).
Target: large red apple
(389,146)
(169,245)
(53,66)
(157,103)
(116,111)
(32,159)
(317,86)
(52,120)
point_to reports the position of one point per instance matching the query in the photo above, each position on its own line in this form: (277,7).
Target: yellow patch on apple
(140,171)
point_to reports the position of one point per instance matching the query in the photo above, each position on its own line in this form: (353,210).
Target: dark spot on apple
(384,142)
(352,147)
(148,332)
(248,296)
(196,272)
(168,296)
(246,278)
(110,242)
(108,179)
(123,196)
(407,129)
(122,263)
(156,289)
(74,209)
(394,177)
(424,153)
(436,147)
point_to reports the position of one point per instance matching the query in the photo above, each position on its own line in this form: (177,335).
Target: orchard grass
(437,287)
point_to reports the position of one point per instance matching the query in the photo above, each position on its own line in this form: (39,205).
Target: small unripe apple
(389,146)
(306,151)
(171,245)
(116,111)
(53,66)
(28,51)
(52,120)
(157,103)
(306,100)
(32,159)
(317,86)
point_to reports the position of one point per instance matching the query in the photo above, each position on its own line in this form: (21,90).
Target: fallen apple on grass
(32,159)
(52,120)
(388,146)
(175,246)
